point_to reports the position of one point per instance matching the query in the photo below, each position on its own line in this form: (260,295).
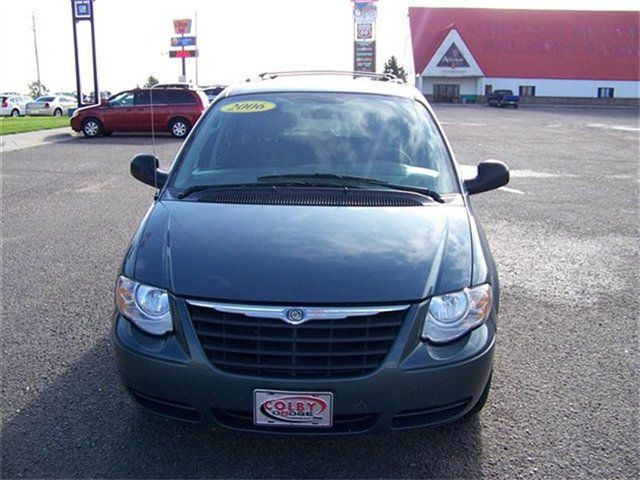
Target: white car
(54,105)
(13,105)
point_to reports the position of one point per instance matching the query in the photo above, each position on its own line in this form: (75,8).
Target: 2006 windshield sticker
(249,106)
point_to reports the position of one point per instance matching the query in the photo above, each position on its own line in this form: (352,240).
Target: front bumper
(417,385)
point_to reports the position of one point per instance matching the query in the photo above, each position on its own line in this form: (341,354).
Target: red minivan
(175,109)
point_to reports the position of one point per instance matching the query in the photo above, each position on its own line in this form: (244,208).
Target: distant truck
(503,98)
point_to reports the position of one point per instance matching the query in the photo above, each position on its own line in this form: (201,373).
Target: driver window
(122,100)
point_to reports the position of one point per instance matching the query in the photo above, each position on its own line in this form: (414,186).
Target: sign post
(82,10)
(365,13)
(182,27)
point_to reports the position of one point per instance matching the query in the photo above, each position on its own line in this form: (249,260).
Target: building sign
(364,31)
(364,56)
(183,41)
(81,9)
(183,53)
(182,26)
(453,58)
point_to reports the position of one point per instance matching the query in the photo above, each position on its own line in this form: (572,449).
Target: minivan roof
(326,83)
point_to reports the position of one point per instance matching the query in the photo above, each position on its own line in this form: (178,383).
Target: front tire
(15,113)
(179,127)
(91,128)
(57,112)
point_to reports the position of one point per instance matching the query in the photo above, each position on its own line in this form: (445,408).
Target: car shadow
(83,425)
(57,137)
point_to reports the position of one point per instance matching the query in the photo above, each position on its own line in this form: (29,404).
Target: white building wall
(468,85)
(565,88)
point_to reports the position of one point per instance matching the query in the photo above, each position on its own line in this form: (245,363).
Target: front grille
(167,408)
(428,416)
(316,349)
(239,420)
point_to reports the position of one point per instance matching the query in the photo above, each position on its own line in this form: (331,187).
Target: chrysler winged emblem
(295,316)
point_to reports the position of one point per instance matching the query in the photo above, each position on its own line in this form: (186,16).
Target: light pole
(196,35)
(35,45)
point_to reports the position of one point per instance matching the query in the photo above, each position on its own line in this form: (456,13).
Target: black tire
(179,127)
(91,128)
(15,113)
(483,398)
(57,112)
(515,106)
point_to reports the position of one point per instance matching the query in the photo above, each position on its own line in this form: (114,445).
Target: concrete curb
(20,141)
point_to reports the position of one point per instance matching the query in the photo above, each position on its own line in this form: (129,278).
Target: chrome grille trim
(310,313)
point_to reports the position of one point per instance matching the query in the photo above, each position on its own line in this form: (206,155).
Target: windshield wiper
(346,179)
(198,188)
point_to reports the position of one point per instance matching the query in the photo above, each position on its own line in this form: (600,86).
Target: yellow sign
(249,106)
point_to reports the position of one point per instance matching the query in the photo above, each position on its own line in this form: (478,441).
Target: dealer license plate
(292,409)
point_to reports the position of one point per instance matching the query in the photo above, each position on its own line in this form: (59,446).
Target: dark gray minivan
(311,263)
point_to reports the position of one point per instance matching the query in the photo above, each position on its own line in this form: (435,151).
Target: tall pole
(196,35)
(35,45)
(184,63)
(93,53)
(75,51)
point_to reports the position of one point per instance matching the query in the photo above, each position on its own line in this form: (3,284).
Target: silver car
(13,105)
(52,105)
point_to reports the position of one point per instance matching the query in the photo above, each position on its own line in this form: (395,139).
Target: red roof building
(550,53)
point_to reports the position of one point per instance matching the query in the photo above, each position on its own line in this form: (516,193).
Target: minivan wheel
(15,112)
(91,128)
(57,112)
(179,127)
(483,398)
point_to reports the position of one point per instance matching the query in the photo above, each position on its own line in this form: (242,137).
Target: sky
(236,38)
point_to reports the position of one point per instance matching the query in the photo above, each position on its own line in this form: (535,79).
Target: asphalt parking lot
(564,401)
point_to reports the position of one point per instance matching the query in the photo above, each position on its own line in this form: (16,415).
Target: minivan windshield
(248,138)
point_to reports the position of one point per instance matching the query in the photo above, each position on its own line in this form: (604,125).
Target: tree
(36,90)
(151,81)
(391,66)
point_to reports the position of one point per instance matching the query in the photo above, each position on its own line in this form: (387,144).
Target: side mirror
(492,174)
(104,102)
(145,168)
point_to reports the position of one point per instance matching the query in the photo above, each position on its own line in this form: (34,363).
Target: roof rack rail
(172,85)
(292,73)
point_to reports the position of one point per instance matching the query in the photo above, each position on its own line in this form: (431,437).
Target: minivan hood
(87,108)
(304,255)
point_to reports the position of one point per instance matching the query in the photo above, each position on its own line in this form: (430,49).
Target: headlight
(147,307)
(452,315)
